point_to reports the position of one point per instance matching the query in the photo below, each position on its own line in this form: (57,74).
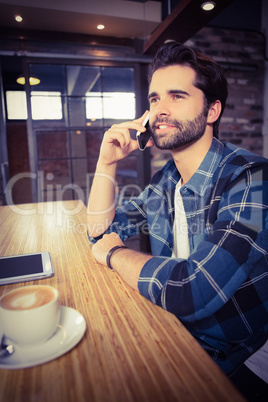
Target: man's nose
(162,108)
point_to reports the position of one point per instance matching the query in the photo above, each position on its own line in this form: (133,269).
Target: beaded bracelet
(109,255)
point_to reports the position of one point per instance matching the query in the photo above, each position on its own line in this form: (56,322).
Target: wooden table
(132,350)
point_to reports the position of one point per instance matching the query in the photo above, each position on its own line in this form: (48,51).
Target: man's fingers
(123,138)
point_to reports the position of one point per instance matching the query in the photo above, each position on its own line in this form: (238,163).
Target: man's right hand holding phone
(117,143)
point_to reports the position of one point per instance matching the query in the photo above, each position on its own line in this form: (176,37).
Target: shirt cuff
(154,274)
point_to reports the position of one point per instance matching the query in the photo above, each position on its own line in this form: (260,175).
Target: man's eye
(153,100)
(177,96)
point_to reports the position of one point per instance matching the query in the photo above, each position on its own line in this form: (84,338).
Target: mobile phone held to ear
(143,138)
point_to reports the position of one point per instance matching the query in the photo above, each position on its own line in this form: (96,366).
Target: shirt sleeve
(128,219)
(236,244)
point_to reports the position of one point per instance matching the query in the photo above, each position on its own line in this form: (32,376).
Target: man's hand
(104,245)
(117,143)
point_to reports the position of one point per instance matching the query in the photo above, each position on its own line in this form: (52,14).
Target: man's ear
(214,112)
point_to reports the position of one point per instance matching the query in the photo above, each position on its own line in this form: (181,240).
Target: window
(45,105)
(16,105)
(110,105)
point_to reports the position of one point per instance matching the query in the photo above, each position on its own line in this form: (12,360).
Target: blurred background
(71,68)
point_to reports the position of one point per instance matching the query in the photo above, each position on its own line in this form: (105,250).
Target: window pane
(52,145)
(85,143)
(117,79)
(81,79)
(56,172)
(79,168)
(111,105)
(116,101)
(119,105)
(94,109)
(77,111)
(16,105)
(46,105)
(52,77)
(93,142)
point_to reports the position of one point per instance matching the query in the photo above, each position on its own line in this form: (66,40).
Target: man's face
(178,115)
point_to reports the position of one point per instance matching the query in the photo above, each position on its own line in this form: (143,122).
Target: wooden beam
(183,22)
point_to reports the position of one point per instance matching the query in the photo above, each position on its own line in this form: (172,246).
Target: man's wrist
(109,255)
(103,167)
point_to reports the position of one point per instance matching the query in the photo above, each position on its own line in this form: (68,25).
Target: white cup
(29,315)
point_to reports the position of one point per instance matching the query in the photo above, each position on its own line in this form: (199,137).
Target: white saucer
(71,329)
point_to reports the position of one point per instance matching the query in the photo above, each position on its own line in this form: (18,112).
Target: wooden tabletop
(132,350)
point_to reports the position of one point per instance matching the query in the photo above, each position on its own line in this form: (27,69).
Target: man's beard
(187,131)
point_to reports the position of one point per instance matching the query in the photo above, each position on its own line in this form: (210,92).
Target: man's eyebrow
(178,91)
(151,95)
(170,92)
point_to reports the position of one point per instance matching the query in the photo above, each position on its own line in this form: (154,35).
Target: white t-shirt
(180,228)
(258,362)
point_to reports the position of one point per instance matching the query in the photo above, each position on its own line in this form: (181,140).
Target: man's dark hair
(210,78)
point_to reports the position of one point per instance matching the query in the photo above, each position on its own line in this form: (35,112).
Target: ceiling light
(18,18)
(32,80)
(208,5)
(100,26)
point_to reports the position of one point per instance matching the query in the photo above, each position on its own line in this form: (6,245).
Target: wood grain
(132,350)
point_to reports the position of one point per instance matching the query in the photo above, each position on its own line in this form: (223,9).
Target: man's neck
(189,158)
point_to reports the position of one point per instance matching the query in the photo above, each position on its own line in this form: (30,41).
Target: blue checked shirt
(220,293)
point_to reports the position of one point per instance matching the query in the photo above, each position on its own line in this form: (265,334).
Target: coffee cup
(29,315)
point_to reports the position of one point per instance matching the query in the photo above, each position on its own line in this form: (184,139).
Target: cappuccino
(30,315)
(27,298)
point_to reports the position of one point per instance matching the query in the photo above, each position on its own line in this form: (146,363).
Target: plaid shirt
(220,293)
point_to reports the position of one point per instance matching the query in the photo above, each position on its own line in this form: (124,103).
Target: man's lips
(164,126)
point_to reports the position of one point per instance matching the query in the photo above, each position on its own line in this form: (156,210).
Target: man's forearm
(101,204)
(128,264)
(116,145)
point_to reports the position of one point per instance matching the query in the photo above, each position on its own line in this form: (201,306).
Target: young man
(206,212)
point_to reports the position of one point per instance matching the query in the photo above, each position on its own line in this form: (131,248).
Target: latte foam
(27,298)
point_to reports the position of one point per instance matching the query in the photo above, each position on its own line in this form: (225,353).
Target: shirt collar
(201,179)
